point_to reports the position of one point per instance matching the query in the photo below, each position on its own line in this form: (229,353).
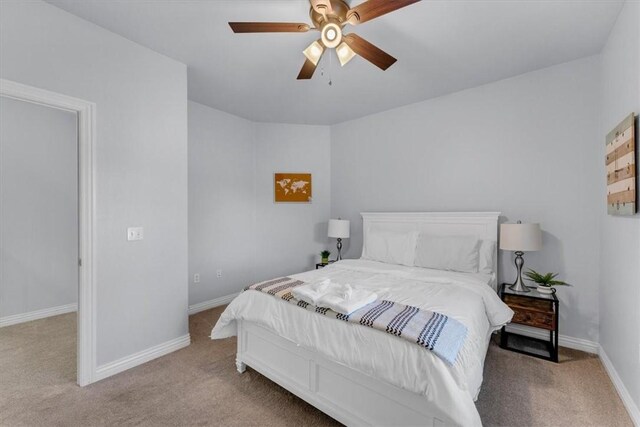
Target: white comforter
(465,297)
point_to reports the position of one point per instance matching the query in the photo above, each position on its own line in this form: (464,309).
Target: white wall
(38,207)
(222,232)
(528,146)
(620,253)
(290,236)
(141,164)
(234,224)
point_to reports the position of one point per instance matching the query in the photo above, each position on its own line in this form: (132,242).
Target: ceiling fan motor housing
(337,15)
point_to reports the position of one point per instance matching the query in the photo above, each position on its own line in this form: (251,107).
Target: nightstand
(320,265)
(536,310)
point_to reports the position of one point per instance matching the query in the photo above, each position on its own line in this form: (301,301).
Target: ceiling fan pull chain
(330,64)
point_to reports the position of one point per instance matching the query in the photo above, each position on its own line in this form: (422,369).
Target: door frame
(86,113)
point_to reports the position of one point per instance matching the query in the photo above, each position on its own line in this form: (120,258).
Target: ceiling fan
(329,17)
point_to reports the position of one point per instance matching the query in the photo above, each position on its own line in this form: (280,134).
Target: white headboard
(482,225)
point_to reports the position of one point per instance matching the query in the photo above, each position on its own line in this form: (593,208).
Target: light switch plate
(135,233)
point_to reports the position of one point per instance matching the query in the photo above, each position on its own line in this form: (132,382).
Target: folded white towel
(345,299)
(347,293)
(311,292)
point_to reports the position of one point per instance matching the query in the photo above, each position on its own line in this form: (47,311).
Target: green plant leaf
(547,279)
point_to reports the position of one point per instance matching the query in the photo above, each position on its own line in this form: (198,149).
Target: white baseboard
(38,314)
(563,340)
(217,302)
(632,408)
(141,357)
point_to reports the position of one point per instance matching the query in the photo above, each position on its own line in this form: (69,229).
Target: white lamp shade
(345,53)
(339,228)
(314,52)
(520,237)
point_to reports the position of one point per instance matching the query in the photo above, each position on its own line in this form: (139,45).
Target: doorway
(47,208)
(38,242)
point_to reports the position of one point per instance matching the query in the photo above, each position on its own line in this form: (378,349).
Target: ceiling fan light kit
(345,53)
(330,17)
(314,52)
(331,35)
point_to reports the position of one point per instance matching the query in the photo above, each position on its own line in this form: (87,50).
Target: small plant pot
(325,260)
(546,289)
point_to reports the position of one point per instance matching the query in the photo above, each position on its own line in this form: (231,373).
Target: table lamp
(339,229)
(520,238)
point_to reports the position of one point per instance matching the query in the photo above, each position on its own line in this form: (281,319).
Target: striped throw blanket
(434,331)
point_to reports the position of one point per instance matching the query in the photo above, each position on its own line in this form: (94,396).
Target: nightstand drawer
(535,319)
(519,302)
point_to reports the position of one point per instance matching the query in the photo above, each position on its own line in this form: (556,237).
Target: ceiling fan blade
(268,27)
(308,68)
(323,7)
(372,9)
(371,53)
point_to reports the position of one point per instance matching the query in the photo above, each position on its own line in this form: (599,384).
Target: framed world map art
(621,168)
(292,187)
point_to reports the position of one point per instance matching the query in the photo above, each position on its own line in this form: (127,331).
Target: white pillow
(455,253)
(391,247)
(487,252)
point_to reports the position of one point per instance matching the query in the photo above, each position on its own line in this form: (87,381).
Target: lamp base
(518,285)
(339,246)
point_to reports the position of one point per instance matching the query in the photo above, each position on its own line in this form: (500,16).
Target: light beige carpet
(200,386)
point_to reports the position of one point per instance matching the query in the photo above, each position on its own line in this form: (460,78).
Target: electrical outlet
(218,274)
(196,278)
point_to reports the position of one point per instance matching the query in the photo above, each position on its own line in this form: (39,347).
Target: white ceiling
(442,46)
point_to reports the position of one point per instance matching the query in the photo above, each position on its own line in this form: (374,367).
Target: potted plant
(545,282)
(325,256)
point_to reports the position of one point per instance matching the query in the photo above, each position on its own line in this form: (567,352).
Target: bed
(362,376)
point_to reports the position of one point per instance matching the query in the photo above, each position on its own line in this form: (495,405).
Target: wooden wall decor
(292,187)
(621,168)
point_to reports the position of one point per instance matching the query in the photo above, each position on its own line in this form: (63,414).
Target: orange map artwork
(292,187)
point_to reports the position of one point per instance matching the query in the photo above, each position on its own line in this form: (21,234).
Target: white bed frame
(347,395)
